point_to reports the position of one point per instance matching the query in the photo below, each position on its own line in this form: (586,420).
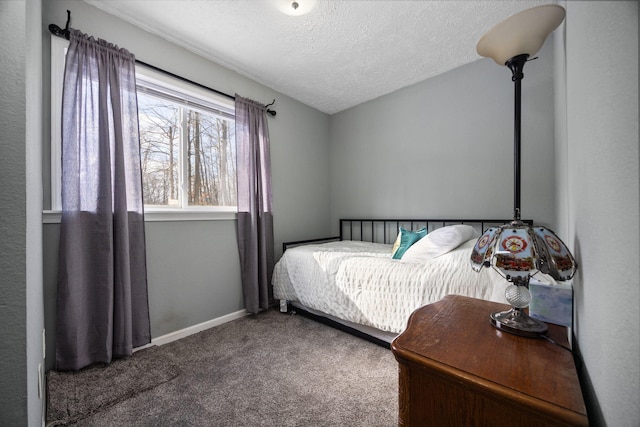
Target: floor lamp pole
(516,64)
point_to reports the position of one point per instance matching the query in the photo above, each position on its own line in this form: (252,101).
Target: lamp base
(516,321)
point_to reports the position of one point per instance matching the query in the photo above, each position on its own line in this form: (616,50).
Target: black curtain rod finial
(59,31)
(271,112)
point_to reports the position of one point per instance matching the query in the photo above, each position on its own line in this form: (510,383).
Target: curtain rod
(64,32)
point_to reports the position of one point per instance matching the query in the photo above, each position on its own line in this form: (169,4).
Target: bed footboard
(287,245)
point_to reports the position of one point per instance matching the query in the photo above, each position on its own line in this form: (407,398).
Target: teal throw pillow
(405,240)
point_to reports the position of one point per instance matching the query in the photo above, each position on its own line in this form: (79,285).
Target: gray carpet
(272,369)
(76,395)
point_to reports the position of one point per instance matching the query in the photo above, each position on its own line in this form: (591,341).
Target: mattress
(359,282)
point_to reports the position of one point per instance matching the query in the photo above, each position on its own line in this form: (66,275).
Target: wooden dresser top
(454,336)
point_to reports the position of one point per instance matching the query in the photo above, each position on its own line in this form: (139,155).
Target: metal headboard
(386,230)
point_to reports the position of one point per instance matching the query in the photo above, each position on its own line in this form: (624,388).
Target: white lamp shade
(522,33)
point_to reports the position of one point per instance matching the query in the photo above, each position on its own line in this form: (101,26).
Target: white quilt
(361,283)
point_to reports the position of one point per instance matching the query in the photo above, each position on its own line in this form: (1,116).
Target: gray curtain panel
(102,305)
(255,216)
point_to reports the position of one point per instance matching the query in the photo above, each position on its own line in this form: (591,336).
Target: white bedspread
(360,283)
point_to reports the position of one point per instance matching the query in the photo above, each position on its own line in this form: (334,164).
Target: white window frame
(160,82)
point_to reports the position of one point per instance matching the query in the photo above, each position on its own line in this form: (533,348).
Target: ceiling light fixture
(516,250)
(295,7)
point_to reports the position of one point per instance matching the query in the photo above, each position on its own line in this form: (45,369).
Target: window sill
(53,217)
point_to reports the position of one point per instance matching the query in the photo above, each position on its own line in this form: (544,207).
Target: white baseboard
(173,336)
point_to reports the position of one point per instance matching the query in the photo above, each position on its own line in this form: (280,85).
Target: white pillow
(439,242)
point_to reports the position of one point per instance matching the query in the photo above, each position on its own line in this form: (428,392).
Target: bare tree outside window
(211,161)
(160,144)
(174,137)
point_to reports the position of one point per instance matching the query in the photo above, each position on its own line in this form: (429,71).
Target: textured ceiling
(338,55)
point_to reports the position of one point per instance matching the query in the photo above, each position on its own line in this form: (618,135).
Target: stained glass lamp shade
(517,250)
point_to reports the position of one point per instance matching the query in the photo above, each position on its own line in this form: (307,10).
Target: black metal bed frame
(365,229)
(386,230)
(381,231)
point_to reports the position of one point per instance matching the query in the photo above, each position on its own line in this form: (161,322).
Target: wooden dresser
(456,369)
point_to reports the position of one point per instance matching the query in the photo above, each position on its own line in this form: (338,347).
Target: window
(187,144)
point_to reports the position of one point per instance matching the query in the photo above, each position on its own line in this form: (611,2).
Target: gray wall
(602,187)
(193,267)
(21,306)
(444,147)
(13,306)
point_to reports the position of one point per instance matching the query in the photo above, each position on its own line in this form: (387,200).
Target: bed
(353,281)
